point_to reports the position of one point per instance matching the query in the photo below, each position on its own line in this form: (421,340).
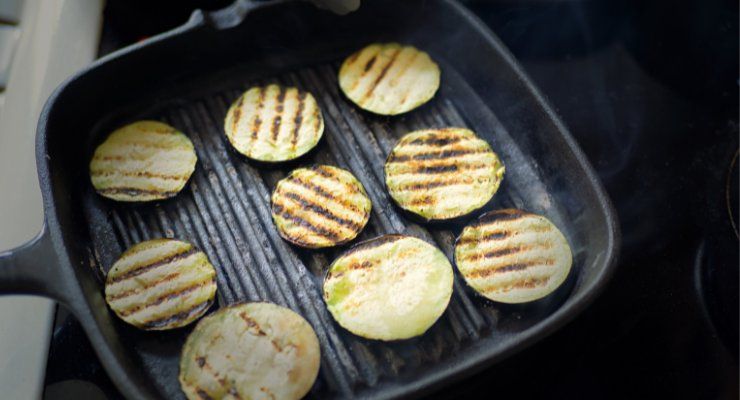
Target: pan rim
(473,362)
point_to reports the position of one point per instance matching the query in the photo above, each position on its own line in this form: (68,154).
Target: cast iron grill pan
(225,211)
(190,76)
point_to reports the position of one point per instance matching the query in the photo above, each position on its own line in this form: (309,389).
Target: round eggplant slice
(274,123)
(320,207)
(389,79)
(389,288)
(143,161)
(161,284)
(512,256)
(442,174)
(250,351)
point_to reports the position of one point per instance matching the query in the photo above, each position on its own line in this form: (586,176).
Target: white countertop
(57,38)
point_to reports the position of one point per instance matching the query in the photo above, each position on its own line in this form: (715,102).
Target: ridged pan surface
(225,212)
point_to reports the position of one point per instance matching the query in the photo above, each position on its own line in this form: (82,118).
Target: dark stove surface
(652,98)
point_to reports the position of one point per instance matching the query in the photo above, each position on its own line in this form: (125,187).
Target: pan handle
(31,269)
(233,15)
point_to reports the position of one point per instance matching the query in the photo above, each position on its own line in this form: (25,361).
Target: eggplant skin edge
(389,288)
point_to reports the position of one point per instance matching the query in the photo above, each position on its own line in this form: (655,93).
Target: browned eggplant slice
(250,351)
(512,256)
(274,123)
(161,284)
(442,174)
(389,288)
(143,161)
(320,206)
(389,78)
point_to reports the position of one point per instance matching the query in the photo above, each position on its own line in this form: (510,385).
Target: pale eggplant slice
(250,351)
(274,123)
(389,288)
(512,256)
(442,174)
(143,161)
(161,284)
(389,79)
(321,206)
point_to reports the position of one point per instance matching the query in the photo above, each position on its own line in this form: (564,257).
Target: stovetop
(652,99)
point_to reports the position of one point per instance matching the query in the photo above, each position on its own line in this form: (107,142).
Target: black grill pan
(189,76)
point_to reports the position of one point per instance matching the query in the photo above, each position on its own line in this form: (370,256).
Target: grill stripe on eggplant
(320,206)
(298,119)
(324,194)
(138,269)
(442,174)
(161,284)
(174,294)
(512,256)
(323,211)
(368,57)
(381,75)
(437,155)
(294,217)
(142,161)
(274,123)
(130,292)
(389,288)
(279,347)
(389,79)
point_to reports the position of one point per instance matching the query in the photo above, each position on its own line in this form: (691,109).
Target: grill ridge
(225,211)
(206,232)
(195,229)
(456,314)
(333,105)
(359,135)
(168,228)
(252,233)
(120,229)
(350,116)
(229,209)
(447,116)
(131,227)
(310,305)
(206,204)
(339,144)
(140,225)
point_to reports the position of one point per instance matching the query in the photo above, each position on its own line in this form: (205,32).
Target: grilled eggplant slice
(389,79)
(442,174)
(512,256)
(161,284)
(250,351)
(274,123)
(320,206)
(389,288)
(143,161)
